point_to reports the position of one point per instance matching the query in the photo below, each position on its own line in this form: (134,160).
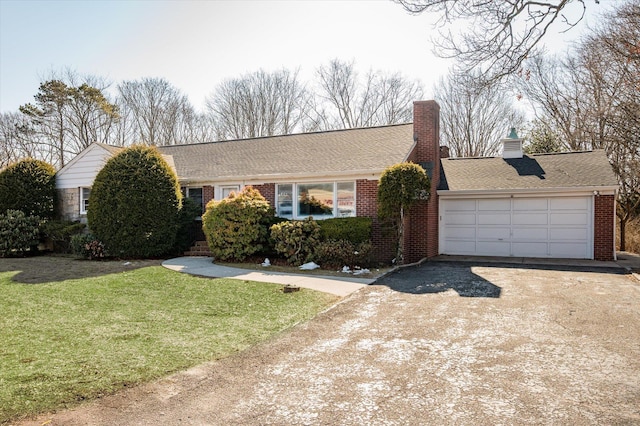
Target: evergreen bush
(59,233)
(186,229)
(29,186)
(19,233)
(339,253)
(236,227)
(296,240)
(353,229)
(134,204)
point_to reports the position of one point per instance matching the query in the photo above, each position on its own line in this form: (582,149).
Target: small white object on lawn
(346,270)
(309,266)
(266,262)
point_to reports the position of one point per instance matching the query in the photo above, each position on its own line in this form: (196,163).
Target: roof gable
(537,171)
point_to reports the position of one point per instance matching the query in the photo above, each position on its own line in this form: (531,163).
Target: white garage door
(524,227)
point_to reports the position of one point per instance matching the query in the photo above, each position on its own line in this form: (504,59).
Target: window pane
(346,199)
(84,199)
(226,190)
(315,199)
(196,195)
(284,201)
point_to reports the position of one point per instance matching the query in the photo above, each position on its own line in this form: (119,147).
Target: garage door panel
(460,219)
(565,234)
(461,232)
(461,247)
(568,250)
(530,204)
(460,205)
(530,249)
(575,219)
(494,233)
(570,203)
(531,234)
(494,219)
(494,248)
(529,227)
(494,205)
(530,218)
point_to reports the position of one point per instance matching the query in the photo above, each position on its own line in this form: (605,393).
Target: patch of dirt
(51,268)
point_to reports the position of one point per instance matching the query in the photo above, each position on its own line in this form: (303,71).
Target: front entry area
(551,227)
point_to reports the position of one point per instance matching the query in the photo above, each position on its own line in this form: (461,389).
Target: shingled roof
(336,152)
(536,171)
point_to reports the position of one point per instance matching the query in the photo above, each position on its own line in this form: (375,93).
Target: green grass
(67,341)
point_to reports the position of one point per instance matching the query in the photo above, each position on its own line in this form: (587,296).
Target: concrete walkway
(203,266)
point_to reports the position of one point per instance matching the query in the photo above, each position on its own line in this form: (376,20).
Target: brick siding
(603,227)
(268,191)
(207,194)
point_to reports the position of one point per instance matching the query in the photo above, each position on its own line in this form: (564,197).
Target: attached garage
(556,227)
(539,205)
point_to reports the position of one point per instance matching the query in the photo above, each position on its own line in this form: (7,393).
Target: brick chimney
(421,229)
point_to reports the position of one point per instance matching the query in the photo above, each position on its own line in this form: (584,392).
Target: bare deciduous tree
(592,98)
(259,104)
(19,140)
(378,99)
(154,112)
(498,35)
(474,119)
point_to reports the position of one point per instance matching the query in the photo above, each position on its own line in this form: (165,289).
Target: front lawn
(68,340)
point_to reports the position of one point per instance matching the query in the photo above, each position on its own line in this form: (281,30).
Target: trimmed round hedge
(237,226)
(134,204)
(30,187)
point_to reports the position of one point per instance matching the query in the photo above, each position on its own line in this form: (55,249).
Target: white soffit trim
(530,192)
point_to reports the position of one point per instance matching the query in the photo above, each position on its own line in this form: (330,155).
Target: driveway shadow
(437,277)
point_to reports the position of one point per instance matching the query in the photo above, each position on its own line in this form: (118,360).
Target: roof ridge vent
(512,145)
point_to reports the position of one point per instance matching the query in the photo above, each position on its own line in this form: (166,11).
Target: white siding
(82,171)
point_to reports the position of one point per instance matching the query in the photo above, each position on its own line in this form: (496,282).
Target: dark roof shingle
(332,152)
(536,171)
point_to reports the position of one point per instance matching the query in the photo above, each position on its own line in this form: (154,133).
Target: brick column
(421,227)
(603,227)
(384,244)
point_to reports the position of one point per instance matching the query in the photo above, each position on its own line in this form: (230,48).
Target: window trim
(83,207)
(234,188)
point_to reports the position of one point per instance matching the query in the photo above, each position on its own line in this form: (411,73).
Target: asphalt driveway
(442,343)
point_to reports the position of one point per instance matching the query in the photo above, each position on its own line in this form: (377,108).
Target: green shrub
(236,227)
(339,253)
(296,240)
(186,230)
(134,204)
(19,233)
(354,229)
(59,233)
(29,186)
(87,246)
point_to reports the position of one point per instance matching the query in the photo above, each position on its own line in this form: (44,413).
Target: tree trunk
(623,226)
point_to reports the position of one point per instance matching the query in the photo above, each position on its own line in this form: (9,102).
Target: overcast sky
(197,44)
